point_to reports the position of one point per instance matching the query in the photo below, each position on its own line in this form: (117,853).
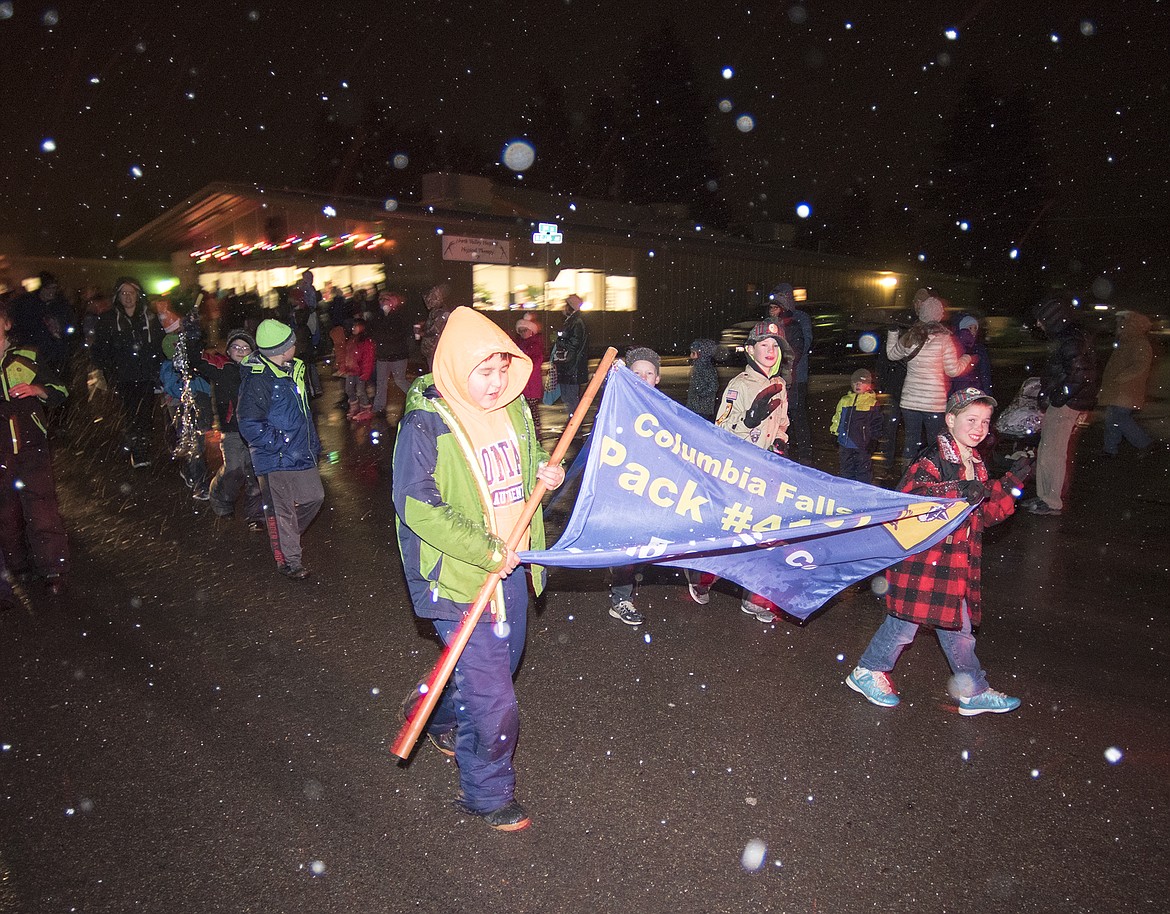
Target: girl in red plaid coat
(940,586)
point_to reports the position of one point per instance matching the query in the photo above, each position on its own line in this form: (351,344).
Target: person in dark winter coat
(571,354)
(391,335)
(235,475)
(439,308)
(941,586)
(1068,391)
(703,391)
(44,320)
(276,421)
(127,348)
(32,534)
(970,342)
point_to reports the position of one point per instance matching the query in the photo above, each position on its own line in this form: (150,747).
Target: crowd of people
(468,453)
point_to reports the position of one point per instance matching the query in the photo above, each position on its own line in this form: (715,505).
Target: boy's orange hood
(467,340)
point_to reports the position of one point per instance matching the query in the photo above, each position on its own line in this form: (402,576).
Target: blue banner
(663,485)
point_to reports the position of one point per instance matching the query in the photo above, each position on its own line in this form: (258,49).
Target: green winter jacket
(444,532)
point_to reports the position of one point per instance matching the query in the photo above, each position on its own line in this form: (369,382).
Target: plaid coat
(929,587)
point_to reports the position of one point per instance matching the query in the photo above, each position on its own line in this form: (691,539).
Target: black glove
(972,491)
(1023,469)
(763,405)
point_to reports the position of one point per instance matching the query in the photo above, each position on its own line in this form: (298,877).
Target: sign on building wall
(476,250)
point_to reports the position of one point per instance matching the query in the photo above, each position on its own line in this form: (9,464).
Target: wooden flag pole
(409,734)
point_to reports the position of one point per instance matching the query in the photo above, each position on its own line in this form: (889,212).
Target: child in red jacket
(358,371)
(940,586)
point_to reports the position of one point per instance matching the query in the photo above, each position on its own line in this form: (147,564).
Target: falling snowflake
(753,855)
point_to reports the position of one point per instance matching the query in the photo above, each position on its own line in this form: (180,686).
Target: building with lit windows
(644,273)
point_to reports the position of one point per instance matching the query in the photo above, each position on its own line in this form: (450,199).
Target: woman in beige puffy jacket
(932,359)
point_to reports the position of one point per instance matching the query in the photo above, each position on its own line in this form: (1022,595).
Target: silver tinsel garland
(187,421)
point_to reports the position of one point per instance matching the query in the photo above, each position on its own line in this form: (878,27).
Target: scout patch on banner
(921,522)
(663,485)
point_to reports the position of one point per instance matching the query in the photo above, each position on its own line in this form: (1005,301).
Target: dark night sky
(190,93)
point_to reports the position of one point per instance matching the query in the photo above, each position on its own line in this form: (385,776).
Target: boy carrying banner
(466,459)
(647,365)
(754,408)
(940,586)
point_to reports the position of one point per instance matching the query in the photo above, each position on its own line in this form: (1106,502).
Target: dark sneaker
(295,572)
(254,526)
(1043,509)
(762,613)
(509,817)
(626,612)
(201,495)
(444,742)
(54,584)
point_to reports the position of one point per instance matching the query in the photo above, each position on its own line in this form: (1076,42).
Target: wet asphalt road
(186,731)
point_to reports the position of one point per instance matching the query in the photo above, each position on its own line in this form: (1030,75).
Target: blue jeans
(624,578)
(384,370)
(959,647)
(1119,424)
(571,395)
(892,417)
(480,703)
(920,430)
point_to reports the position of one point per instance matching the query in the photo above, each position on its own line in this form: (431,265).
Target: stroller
(1019,424)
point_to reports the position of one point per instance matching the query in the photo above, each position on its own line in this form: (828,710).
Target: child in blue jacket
(275,420)
(858,424)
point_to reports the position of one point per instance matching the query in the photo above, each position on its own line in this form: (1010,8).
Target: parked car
(833,337)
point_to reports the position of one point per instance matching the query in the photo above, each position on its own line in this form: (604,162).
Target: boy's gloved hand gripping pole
(409,734)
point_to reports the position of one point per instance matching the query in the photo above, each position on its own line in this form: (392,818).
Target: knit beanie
(642,354)
(930,310)
(273,337)
(241,335)
(969,323)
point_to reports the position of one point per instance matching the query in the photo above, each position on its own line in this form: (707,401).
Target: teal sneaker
(874,686)
(989,702)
